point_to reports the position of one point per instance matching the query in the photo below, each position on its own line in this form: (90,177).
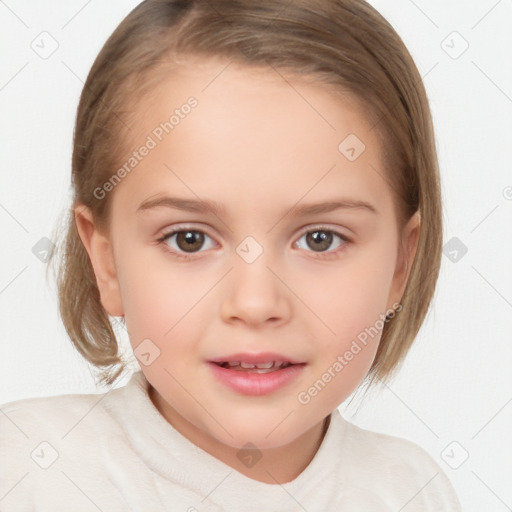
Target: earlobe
(99,249)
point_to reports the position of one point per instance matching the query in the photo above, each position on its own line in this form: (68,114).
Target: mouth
(263,362)
(242,366)
(256,374)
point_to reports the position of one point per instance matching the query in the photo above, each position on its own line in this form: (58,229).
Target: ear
(407,251)
(99,249)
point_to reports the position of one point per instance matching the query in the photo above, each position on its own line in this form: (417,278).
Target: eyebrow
(205,206)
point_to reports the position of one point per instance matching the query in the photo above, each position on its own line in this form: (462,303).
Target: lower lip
(256,384)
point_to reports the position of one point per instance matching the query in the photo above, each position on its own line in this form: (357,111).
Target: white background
(455,385)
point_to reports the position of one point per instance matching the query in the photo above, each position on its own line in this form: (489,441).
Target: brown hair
(345,44)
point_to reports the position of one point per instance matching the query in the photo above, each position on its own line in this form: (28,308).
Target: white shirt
(115,452)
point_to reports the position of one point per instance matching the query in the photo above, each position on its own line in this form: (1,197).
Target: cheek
(350,299)
(161,300)
(349,294)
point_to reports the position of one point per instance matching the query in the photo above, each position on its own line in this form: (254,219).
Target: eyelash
(187,257)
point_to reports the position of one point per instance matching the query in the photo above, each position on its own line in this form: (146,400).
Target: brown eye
(186,241)
(189,241)
(321,240)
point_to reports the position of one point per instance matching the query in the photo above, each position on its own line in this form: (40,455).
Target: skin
(257,147)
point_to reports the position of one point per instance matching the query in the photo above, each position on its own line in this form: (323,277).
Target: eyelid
(177,228)
(184,227)
(323,227)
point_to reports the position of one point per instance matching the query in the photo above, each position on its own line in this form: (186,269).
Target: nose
(254,295)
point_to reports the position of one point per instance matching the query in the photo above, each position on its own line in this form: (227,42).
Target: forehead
(255,131)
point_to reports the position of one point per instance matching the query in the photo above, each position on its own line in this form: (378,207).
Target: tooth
(262,370)
(247,365)
(233,363)
(265,365)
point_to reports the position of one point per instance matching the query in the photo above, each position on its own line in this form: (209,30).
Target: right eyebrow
(190,205)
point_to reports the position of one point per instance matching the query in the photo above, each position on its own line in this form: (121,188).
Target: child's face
(258,146)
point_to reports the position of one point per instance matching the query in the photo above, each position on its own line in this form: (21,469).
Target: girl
(256,197)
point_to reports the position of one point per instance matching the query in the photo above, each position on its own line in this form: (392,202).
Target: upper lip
(254,358)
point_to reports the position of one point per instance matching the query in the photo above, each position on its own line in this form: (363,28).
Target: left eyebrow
(205,206)
(329,206)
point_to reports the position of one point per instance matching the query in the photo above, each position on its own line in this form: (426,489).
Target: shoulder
(25,422)
(399,470)
(40,438)
(386,449)
(29,418)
